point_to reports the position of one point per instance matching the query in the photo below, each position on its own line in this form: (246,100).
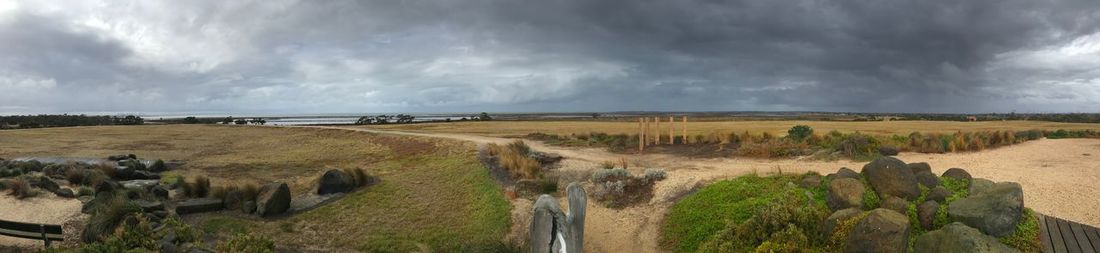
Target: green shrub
(20,188)
(607,165)
(158,166)
(199,189)
(85,191)
(107,216)
(1026,236)
(780,224)
(75,176)
(871,199)
(247,243)
(799,133)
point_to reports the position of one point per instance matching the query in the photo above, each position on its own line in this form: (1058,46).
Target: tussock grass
(20,188)
(513,158)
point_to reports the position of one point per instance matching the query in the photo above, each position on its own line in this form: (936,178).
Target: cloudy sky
(285,56)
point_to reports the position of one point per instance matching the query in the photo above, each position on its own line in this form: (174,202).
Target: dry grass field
(433,193)
(517,128)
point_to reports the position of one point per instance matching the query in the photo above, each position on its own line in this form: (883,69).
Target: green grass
(1026,236)
(226,226)
(696,218)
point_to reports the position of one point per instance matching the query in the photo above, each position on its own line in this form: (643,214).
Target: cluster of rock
(989,211)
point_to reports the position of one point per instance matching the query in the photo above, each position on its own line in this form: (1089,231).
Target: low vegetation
(617,188)
(65,120)
(515,159)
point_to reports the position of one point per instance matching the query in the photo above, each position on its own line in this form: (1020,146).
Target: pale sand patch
(46,208)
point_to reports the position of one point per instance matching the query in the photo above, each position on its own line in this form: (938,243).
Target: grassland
(778,127)
(434,195)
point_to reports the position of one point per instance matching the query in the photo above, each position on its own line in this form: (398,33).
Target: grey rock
(140,185)
(919,167)
(149,206)
(273,199)
(845,193)
(836,218)
(124,173)
(65,193)
(957,173)
(890,176)
(927,179)
(957,237)
(160,191)
(882,231)
(895,204)
(199,206)
(938,194)
(888,150)
(979,185)
(335,181)
(845,172)
(248,207)
(810,181)
(233,199)
(995,211)
(48,185)
(926,214)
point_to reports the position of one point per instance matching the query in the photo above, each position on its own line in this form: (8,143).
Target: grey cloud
(497,55)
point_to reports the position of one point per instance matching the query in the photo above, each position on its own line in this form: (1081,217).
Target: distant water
(341,119)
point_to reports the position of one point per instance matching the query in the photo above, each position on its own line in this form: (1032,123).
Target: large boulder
(957,173)
(160,191)
(140,185)
(888,150)
(845,172)
(881,231)
(890,176)
(810,181)
(926,214)
(199,206)
(938,194)
(149,206)
(896,204)
(957,237)
(845,193)
(48,184)
(979,185)
(336,181)
(919,167)
(927,179)
(65,193)
(995,211)
(233,199)
(838,217)
(273,199)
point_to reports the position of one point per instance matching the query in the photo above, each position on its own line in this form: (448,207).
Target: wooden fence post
(685,140)
(671,131)
(657,130)
(641,134)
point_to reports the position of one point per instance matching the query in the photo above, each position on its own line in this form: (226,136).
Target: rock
(845,172)
(48,185)
(957,237)
(810,181)
(202,205)
(888,150)
(927,179)
(248,207)
(335,181)
(149,206)
(273,199)
(89,204)
(545,158)
(160,191)
(995,211)
(141,174)
(233,199)
(957,173)
(938,194)
(979,185)
(65,193)
(896,204)
(845,193)
(926,214)
(919,167)
(890,176)
(882,231)
(117,157)
(836,218)
(139,185)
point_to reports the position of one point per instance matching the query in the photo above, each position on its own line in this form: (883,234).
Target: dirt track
(1058,177)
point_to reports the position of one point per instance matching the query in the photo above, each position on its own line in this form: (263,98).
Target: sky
(336,56)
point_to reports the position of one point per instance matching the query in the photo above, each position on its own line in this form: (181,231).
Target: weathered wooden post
(671,131)
(554,231)
(641,134)
(685,140)
(657,130)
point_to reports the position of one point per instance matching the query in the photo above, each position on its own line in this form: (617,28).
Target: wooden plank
(1067,236)
(1044,235)
(1056,235)
(1082,239)
(1094,236)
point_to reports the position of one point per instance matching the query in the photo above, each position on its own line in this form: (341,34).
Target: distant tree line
(1054,117)
(405,119)
(65,120)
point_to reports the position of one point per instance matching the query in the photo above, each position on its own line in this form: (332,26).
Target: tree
(258,121)
(227,120)
(800,132)
(190,120)
(240,122)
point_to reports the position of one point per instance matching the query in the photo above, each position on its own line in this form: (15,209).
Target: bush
(359,176)
(20,188)
(607,165)
(799,133)
(617,188)
(107,216)
(200,188)
(601,176)
(158,166)
(247,243)
(85,191)
(780,225)
(75,176)
(515,161)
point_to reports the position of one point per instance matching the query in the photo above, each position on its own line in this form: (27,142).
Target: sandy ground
(1058,177)
(45,208)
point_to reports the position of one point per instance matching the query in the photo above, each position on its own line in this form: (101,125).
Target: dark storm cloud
(356,56)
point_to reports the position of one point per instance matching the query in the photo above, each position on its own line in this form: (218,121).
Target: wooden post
(685,140)
(671,131)
(657,130)
(641,135)
(645,130)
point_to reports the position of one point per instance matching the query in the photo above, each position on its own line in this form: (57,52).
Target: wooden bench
(1059,235)
(44,232)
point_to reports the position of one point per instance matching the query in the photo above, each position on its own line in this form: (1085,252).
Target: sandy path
(1057,177)
(45,208)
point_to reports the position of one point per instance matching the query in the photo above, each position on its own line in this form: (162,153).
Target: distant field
(780,127)
(433,194)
